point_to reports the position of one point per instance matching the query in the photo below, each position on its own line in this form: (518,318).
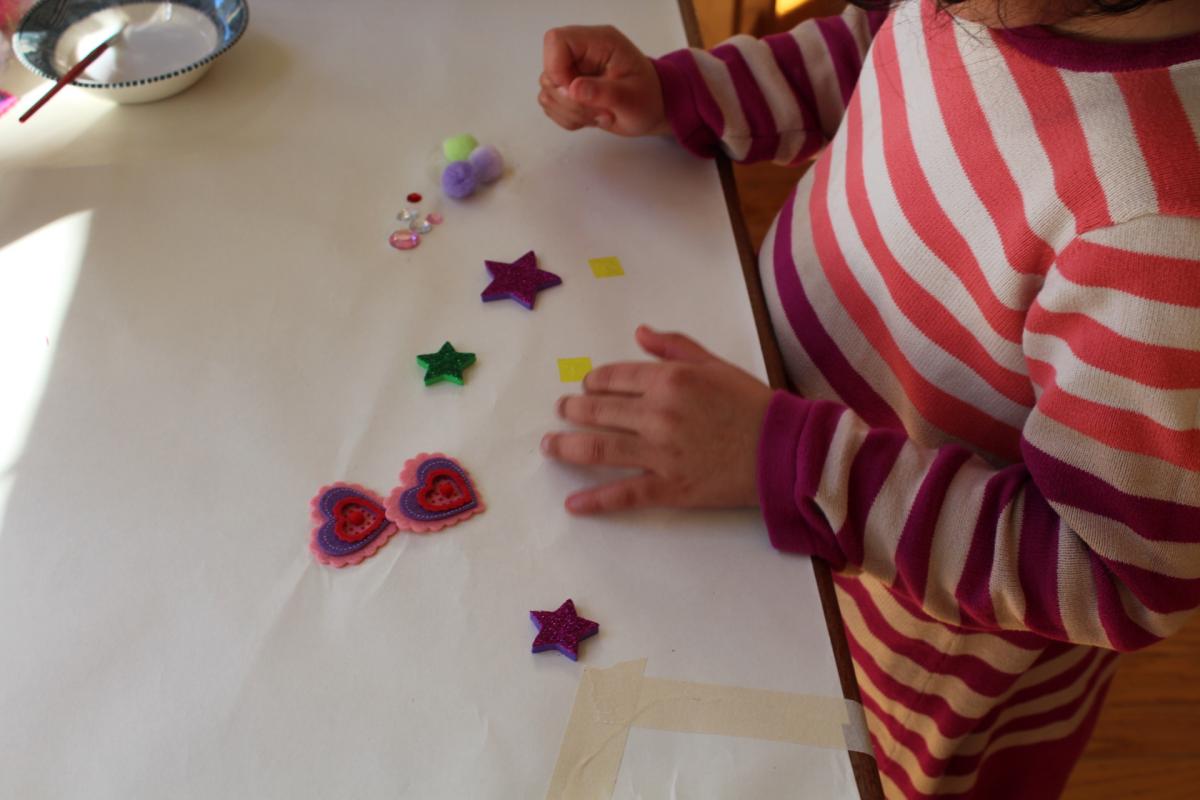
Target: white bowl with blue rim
(164,47)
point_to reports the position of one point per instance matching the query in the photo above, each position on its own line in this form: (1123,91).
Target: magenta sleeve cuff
(681,108)
(782,429)
(795,440)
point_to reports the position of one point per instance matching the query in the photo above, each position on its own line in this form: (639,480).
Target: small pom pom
(458,179)
(488,163)
(458,148)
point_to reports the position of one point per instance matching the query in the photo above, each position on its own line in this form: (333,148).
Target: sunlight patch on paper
(38,273)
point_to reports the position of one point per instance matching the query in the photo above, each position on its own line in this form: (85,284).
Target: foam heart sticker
(349,524)
(434,492)
(444,490)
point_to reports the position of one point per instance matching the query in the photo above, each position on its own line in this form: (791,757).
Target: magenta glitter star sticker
(562,630)
(521,280)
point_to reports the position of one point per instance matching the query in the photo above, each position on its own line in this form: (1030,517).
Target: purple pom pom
(458,180)
(488,163)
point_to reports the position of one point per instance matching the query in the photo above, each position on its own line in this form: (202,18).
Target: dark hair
(1086,6)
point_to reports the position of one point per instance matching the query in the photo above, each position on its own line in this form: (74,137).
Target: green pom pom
(458,148)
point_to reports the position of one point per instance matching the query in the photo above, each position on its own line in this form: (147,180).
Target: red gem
(414,197)
(444,490)
(356,518)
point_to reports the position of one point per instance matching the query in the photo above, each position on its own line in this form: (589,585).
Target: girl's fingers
(547,83)
(642,491)
(670,346)
(600,93)
(595,449)
(558,96)
(557,59)
(579,50)
(633,377)
(561,97)
(566,118)
(618,412)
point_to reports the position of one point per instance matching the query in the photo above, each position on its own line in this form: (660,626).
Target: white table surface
(201,322)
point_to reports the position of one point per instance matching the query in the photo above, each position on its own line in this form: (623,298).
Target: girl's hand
(593,75)
(691,421)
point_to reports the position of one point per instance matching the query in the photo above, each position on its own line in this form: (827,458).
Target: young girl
(987,291)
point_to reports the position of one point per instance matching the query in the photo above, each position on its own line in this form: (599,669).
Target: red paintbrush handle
(66,78)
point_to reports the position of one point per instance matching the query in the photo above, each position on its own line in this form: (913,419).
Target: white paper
(213,326)
(660,764)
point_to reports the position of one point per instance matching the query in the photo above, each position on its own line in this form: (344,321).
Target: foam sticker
(573,370)
(606,267)
(562,630)
(434,492)
(348,524)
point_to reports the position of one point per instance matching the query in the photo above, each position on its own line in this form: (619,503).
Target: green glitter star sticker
(446,364)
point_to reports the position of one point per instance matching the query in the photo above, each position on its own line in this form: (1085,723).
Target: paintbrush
(75,71)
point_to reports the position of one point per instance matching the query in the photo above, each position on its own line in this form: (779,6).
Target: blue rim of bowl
(37,15)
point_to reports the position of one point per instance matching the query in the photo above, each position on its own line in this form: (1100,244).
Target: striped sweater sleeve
(1094,536)
(780,97)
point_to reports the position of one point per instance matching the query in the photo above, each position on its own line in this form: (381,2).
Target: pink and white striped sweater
(987,291)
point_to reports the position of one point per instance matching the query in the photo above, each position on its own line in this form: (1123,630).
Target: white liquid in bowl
(160,38)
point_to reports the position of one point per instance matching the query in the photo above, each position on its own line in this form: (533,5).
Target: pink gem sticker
(404,240)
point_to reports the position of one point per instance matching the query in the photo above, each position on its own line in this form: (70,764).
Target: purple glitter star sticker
(562,630)
(521,280)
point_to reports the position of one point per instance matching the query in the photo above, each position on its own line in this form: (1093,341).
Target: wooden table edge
(866,772)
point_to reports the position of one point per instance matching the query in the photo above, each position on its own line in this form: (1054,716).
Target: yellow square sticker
(573,370)
(607,267)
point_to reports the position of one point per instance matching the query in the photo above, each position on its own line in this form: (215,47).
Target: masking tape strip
(858,737)
(611,701)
